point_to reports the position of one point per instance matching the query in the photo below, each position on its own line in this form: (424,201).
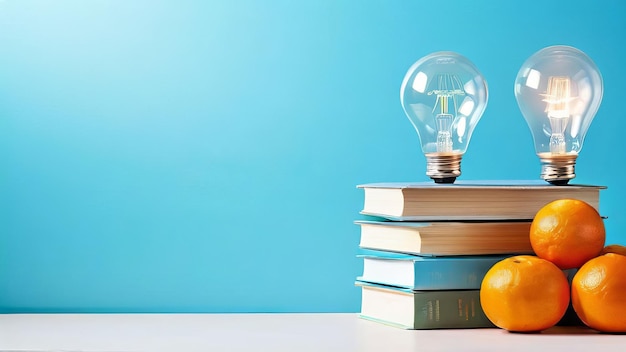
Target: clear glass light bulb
(444,96)
(558,90)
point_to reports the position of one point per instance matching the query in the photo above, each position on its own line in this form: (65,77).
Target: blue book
(426,272)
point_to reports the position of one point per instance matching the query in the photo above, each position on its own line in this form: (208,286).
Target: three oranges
(532,293)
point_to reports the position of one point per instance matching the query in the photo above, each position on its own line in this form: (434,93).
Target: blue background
(202,156)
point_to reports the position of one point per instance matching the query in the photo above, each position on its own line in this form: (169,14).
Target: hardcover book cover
(426,272)
(447,237)
(410,309)
(468,200)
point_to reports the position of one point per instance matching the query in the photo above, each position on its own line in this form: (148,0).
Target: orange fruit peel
(599,293)
(614,248)
(524,294)
(567,232)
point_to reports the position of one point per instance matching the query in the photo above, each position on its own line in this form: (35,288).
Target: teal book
(417,310)
(426,272)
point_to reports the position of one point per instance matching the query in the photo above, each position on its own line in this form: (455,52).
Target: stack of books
(426,247)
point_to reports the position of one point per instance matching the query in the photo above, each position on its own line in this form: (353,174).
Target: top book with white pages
(469,200)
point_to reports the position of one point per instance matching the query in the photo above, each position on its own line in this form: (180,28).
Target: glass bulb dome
(558,90)
(444,96)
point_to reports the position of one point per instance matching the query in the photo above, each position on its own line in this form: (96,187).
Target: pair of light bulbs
(558,90)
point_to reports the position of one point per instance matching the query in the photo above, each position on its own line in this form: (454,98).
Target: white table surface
(272,332)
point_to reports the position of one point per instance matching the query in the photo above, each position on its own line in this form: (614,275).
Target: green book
(410,309)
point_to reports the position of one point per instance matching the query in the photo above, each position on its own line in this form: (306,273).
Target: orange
(614,248)
(599,293)
(567,232)
(524,293)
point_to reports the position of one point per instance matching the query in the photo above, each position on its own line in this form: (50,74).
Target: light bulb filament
(444,104)
(558,98)
(448,87)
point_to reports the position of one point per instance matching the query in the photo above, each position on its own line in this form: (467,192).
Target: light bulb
(558,90)
(444,96)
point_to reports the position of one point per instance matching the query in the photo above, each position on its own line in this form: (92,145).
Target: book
(410,309)
(570,318)
(447,237)
(469,200)
(426,272)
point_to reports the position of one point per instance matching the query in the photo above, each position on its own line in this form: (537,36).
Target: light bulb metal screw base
(443,167)
(557,169)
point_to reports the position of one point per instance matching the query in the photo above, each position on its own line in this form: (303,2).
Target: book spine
(449,310)
(464,273)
